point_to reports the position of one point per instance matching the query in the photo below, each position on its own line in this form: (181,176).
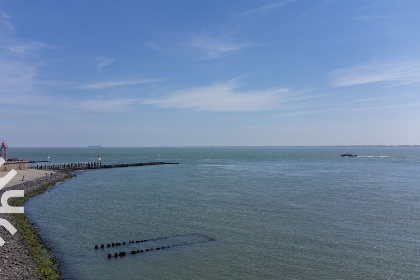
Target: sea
(234,213)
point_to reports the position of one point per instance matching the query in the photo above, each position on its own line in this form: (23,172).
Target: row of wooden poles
(91,164)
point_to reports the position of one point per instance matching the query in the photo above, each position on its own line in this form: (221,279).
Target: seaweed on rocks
(25,255)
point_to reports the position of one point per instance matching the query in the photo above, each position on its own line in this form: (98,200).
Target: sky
(136,73)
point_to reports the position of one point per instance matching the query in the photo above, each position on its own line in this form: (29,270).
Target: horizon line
(220,146)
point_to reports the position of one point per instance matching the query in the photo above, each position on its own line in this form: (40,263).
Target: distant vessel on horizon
(348,155)
(94,146)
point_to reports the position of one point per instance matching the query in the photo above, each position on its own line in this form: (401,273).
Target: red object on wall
(3,151)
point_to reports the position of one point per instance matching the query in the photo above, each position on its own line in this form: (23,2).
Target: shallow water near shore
(236,213)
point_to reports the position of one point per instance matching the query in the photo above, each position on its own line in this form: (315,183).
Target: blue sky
(218,73)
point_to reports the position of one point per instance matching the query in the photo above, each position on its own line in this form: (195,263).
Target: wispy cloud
(395,73)
(262,10)
(306,112)
(107,105)
(112,84)
(225,97)
(386,107)
(26,47)
(16,77)
(379,17)
(209,47)
(7,29)
(103,61)
(10,43)
(17,74)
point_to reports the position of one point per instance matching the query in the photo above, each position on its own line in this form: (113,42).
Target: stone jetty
(91,165)
(16,260)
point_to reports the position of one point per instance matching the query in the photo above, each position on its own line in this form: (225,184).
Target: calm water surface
(273,213)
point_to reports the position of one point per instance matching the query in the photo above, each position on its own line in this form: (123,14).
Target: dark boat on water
(349,155)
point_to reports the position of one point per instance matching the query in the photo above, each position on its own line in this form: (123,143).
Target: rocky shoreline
(16,259)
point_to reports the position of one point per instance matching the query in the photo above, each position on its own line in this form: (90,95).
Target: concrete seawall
(14,164)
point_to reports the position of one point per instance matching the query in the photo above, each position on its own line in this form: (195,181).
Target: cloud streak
(102,62)
(380,17)
(7,30)
(394,73)
(262,10)
(26,47)
(11,44)
(112,84)
(208,47)
(386,107)
(221,98)
(16,77)
(17,71)
(107,105)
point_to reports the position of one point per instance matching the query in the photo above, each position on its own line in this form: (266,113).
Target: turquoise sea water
(236,213)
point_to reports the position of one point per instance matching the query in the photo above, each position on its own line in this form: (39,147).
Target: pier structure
(65,166)
(91,165)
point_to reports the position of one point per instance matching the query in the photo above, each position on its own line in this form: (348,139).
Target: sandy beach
(16,260)
(26,176)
